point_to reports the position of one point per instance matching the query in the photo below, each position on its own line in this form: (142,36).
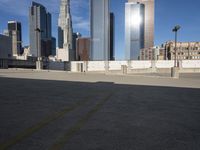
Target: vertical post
(175,69)
(175,62)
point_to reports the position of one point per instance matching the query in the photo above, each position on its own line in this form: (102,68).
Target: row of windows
(187,48)
(186,57)
(191,53)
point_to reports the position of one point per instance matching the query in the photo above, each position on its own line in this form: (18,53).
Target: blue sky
(167,14)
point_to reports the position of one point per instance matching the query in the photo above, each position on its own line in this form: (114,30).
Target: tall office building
(149,21)
(5,46)
(100,32)
(65,31)
(53,48)
(15,32)
(112,36)
(40,30)
(134,30)
(75,37)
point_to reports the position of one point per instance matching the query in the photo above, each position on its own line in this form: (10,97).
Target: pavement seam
(30,131)
(70,133)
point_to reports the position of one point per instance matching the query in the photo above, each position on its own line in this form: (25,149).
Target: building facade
(83,49)
(149,21)
(40,30)
(134,30)
(53,47)
(185,50)
(74,42)
(15,32)
(100,30)
(5,46)
(112,36)
(65,31)
(153,53)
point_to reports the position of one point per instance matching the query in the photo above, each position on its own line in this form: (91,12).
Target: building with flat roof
(149,21)
(134,30)
(40,30)
(15,32)
(185,50)
(74,43)
(100,30)
(153,53)
(112,36)
(5,46)
(82,49)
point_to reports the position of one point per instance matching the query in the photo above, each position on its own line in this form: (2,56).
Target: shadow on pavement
(133,117)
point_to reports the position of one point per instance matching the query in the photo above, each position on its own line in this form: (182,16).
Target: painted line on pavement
(29,131)
(63,140)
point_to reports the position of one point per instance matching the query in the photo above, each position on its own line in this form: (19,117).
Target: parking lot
(65,111)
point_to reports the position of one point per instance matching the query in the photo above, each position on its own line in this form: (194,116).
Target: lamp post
(175,29)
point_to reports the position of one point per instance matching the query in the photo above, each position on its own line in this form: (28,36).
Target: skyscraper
(5,46)
(65,30)
(134,26)
(40,30)
(112,36)
(149,21)
(75,37)
(15,32)
(100,32)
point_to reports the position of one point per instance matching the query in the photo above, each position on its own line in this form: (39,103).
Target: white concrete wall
(140,64)
(96,66)
(74,65)
(164,64)
(116,65)
(191,64)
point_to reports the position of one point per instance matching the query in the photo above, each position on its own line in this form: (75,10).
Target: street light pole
(176,28)
(175,62)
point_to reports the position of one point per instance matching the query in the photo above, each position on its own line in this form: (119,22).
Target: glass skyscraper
(100,32)
(149,21)
(15,32)
(40,41)
(134,30)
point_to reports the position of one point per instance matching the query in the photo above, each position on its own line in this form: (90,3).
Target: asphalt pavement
(59,111)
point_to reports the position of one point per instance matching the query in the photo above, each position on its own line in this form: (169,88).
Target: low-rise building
(185,50)
(152,53)
(82,49)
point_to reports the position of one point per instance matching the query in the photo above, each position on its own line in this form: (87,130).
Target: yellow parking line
(29,131)
(62,141)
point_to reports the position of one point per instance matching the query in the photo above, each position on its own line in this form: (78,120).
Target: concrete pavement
(57,110)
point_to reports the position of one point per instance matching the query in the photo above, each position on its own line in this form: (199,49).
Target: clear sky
(167,14)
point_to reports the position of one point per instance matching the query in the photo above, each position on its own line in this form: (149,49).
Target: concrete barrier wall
(140,64)
(96,66)
(133,65)
(74,65)
(191,64)
(164,64)
(116,65)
